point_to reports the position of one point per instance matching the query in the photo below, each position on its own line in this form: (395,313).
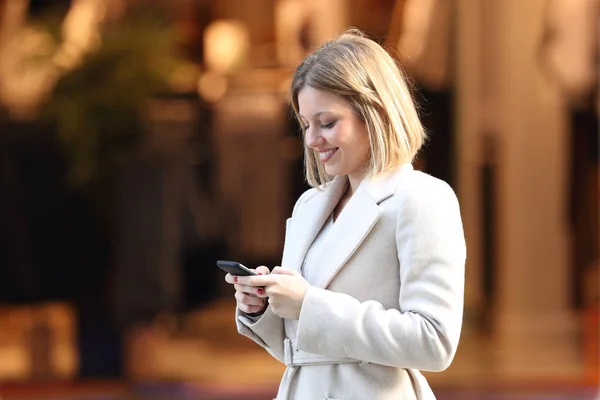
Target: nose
(313,138)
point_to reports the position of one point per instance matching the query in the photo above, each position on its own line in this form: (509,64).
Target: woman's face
(334,131)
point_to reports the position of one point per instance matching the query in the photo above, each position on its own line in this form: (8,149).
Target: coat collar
(350,229)
(383,185)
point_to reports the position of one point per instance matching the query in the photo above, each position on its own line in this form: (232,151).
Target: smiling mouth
(325,156)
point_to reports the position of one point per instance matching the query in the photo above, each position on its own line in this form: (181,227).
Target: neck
(354,182)
(356,177)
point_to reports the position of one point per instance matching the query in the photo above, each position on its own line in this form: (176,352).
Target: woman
(370,290)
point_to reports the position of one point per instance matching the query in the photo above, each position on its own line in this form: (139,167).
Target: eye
(305,128)
(328,126)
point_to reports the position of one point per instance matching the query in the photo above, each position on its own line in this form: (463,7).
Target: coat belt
(297,358)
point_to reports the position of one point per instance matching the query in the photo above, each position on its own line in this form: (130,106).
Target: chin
(332,171)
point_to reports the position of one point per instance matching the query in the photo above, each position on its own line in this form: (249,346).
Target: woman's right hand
(246,296)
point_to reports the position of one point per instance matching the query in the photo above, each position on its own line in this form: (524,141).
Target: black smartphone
(235,268)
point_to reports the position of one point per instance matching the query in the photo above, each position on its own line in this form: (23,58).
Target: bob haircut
(361,72)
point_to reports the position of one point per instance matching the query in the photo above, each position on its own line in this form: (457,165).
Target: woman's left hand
(285,289)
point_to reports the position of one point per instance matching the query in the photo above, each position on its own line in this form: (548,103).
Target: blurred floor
(174,391)
(202,357)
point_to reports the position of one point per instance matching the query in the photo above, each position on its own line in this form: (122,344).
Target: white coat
(388,297)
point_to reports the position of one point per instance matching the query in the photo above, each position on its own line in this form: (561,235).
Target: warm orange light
(226,44)
(212,86)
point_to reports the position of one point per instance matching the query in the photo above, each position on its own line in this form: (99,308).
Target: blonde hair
(360,71)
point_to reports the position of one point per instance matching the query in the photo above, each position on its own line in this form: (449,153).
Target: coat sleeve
(267,330)
(423,333)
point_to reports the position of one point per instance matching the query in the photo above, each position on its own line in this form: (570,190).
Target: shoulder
(416,189)
(428,212)
(305,197)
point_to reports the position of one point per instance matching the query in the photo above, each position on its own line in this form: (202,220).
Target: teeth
(326,154)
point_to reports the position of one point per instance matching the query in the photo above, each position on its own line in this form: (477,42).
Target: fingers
(250,309)
(284,271)
(260,280)
(250,290)
(248,300)
(257,281)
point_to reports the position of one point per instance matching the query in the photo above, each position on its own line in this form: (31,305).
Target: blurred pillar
(524,117)
(253,171)
(303,25)
(293,28)
(257,15)
(422,33)
(468,142)
(329,19)
(570,58)
(153,209)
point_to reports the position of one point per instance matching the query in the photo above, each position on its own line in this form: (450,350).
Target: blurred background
(141,140)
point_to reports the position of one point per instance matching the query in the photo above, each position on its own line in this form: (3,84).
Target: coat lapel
(347,233)
(355,222)
(352,226)
(302,229)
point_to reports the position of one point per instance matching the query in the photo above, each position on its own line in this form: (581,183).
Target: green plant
(97,109)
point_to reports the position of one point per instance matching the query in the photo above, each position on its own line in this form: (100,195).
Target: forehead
(312,101)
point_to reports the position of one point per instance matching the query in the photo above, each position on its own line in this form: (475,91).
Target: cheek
(349,139)
(342,136)
(363,137)
(361,143)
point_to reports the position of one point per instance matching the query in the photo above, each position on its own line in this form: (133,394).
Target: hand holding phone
(250,299)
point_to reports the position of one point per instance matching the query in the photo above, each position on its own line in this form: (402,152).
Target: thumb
(262,270)
(283,271)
